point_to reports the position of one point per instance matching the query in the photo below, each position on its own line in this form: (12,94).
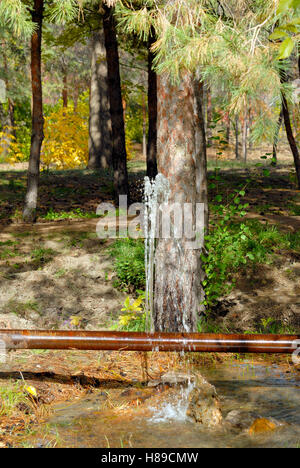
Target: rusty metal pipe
(135,341)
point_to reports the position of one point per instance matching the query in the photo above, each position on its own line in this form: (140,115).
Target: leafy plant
(134,316)
(52,215)
(11,396)
(129,262)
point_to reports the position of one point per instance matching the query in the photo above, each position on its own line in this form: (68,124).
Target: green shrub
(233,246)
(129,261)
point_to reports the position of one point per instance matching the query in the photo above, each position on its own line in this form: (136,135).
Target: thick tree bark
(152,114)
(182,160)
(100,133)
(116,108)
(276,137)
(37,136)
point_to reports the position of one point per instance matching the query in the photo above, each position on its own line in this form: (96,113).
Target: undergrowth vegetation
(12,396)
(129,261)
(231,246)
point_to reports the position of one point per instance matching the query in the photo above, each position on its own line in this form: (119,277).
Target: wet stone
(241,419)
(204,404)
(263,425)
(172,379)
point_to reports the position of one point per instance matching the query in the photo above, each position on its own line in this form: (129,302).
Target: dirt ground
(55,276)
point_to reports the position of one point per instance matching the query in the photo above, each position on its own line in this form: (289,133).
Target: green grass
(11,395)
(8,249)
(21,309)
(73,214)
(294,209)
(42,256)
(129,262)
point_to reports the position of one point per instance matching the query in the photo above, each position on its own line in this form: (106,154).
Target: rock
(262,425)
(173,378)
(241,419)
(204,404)
(251,422)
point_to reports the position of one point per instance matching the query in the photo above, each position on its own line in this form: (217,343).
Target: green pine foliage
(226,44)
(15,15)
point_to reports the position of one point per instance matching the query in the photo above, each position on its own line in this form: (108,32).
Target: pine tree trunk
(227,136)
(290,137)
(5,140)
(152,115)
(237,152)
(65,89)
(276,137)
(144,111)
(100,132)
(182,160)
(11,107)
(288,128)
(245,136)
(37,136)
(209,115)
(116,108)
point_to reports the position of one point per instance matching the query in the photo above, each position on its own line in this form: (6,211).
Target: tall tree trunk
(75,98)
(290,137)
(227,136)
(237,151)
(11,106)
(245,136)
(37,136)
(144,111)
(182,160)
(276,137)
(116,108)
(65,89)
(250,121)
(3,118)
(152,114)
(5,140)
(209,115)
(100,132)
(288,128)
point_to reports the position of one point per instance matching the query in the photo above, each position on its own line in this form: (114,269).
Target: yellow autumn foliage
(65,145)
(9,145)
(66,136)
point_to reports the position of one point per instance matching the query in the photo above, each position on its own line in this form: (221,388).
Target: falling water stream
(155,192)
